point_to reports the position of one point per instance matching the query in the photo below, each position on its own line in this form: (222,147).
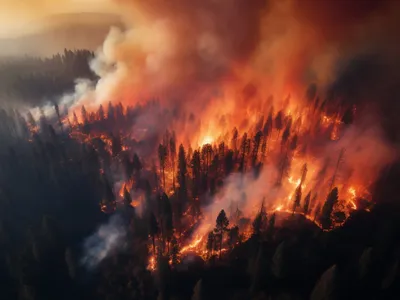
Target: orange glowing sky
(18,17)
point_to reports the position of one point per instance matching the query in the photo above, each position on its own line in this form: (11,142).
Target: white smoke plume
(108,238)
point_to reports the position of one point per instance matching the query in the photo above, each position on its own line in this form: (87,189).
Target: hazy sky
(20,16)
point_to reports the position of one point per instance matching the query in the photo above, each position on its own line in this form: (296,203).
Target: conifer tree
(182,173)
(153,230)
(297,198)
(162,156)
(210,243)
(256,146)
(306,207)
(221,226)
(279,122)
(327,209)
(172,152)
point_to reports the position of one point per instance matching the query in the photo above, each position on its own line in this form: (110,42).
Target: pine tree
(235,136)
(286,134)
(306,207)
(153,230)
(243,152)
(110,112)
(210,243)
(260,221)
(221,226)
(196,173)
(327,209)
(229,162)
(100,114)
(279,122)
(297,198)
(162,156)
(256,146)
(84,115)
(167,222)
(317,211)
(293,143)
(182,173)
(172,152)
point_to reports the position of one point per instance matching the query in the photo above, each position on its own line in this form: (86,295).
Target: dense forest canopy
(33,81)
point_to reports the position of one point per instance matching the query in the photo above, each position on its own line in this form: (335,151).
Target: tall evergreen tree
(221,226)
(153,230)
(162,156)
(327,209)
(306,207)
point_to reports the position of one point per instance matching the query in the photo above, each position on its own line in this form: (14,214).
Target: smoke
(108,238)
(201,55)
(366,153)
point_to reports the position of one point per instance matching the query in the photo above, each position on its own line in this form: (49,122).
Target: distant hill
(72,31)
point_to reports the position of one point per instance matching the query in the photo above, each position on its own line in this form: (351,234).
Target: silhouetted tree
(182,172)
(153,230)
(279,122)
(210,243)
(306,207)
(327,209)
(162,156)
(172,151)
(297,198)
(221,226)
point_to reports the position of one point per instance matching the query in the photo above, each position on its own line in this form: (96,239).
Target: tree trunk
(220,247)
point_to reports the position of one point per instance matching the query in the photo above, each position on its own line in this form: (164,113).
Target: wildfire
(151,266)
(352,192)
(208,139)
(193,245)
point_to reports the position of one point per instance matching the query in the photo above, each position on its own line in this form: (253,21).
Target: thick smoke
(108,238)
(194,54)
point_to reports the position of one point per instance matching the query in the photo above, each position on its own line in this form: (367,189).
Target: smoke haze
(108,238)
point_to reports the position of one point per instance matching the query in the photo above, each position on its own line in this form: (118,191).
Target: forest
(91,211)
(35,80)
